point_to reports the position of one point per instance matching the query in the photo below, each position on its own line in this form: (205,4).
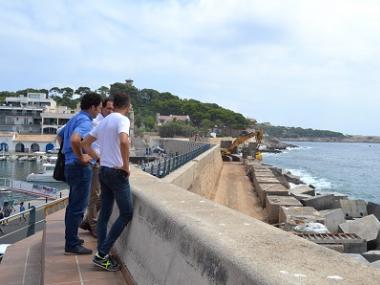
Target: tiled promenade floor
(66,270)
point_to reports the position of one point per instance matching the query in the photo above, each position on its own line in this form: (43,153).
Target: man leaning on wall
(112,135)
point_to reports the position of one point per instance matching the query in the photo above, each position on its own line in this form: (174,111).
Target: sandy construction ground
(235,191)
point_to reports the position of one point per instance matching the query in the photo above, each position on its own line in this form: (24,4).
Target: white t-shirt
(107,134)
(95,123)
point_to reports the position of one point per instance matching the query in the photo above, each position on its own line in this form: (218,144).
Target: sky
(312,64)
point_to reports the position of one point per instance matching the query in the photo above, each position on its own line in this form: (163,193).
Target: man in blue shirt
(78,169)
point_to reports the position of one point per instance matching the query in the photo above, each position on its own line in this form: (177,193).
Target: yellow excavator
(228,153)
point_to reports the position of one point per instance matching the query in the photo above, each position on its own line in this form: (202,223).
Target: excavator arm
(258,134)
(241,139)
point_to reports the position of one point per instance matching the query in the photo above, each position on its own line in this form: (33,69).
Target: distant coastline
(345,139)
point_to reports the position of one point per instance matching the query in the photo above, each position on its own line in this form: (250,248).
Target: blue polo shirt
(81,124)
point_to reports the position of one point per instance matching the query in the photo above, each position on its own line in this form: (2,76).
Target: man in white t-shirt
(112,136)
(89,221)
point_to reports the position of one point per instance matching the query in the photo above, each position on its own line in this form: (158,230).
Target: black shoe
(106,262)
(81,241)
(85,226)
(79,249)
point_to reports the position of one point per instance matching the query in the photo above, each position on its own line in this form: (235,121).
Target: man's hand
(85,159)
(126,169)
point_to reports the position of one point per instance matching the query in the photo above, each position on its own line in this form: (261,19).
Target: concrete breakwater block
(322,202)
(375,264)
(265,174)
(358,257)
(303,189)
(266,179)
(372,255)
(262,174)
(293,216)
(300,197)
(266,189)
(273,204)
(354,208)
(367,228)
(333,218)
(373,208)
(292,178)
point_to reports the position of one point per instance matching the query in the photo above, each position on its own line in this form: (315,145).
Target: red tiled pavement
(69,270)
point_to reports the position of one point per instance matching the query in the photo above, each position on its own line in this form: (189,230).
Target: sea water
(19,170)
(348,168)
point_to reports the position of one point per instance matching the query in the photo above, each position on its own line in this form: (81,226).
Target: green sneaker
(106,262)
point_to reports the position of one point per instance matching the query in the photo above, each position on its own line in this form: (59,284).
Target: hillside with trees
(204,116)
(296,133)
(148,102)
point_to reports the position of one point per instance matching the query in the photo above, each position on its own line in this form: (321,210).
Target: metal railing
(26,223)
(163,166)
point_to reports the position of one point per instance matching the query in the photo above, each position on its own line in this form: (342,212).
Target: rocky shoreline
(332,220)
(274,145)
(345,139)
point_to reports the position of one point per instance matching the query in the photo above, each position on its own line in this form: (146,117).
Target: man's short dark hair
(121,100)
(90,99)
(105,101)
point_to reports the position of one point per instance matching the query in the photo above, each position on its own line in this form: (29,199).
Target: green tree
(82,90)
(103,91)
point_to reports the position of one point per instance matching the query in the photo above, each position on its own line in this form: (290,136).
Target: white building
(38,100)
(54,118)
(14,142)
(23,114)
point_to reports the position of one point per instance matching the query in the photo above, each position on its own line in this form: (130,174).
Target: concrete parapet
(177,237)
(354,208)
(333,218)
(273,204)
(293,216)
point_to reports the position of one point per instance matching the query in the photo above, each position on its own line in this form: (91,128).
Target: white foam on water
(307,178)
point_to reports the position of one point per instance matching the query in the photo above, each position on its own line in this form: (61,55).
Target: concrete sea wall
(179,237)
(199,175)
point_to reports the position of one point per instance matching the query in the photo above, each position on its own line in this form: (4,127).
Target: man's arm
(76,146)
(124,150)
(86,145)
(60,134)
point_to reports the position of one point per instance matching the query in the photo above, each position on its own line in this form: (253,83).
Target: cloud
(263,58)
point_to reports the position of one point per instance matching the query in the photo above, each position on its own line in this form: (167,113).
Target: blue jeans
(79,179)
(115,187)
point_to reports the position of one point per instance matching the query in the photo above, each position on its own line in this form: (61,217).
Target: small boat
(45,175)
(22,158)
(52,159)
(3,157)
(32,158)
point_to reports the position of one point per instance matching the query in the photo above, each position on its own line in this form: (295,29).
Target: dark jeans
(115,187)
(79,179)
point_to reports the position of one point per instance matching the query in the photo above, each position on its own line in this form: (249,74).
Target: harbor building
(28,143)
(54,118)
(23,114)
